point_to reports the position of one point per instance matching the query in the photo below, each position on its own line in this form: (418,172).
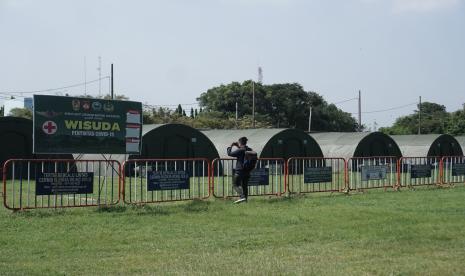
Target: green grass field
(411,232)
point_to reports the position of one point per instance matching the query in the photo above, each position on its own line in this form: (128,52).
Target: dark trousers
(241,184)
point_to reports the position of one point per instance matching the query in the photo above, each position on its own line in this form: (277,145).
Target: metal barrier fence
(1,173)
(161,180)
(453,170)
(419,171)
(54,183)
(312,175)
(48,183)
(371,172)
(268,178)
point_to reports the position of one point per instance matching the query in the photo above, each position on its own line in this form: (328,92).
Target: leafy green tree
(212,120)
(456,123)
(119,97)
(162,115)
(205,120)
(21,112)
(434,119)
(261,121)
(277,105)
(147,117)
(179,109)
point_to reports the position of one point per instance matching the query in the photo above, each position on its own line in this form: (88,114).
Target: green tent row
(461,140)
(16,141)
(370,144)
(181,141)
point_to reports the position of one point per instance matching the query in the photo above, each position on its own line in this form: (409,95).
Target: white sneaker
(240,200)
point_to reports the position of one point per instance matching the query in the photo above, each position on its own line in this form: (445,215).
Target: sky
(169,52)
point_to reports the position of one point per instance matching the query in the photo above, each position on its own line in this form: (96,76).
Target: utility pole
(260,74)
(111,81)
(419,117)
(253,104)
(99,76)
(310,119)
(237,113)
(85,76)
(359,111)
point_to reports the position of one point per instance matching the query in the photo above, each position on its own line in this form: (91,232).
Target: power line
(387,109)
(54,89)
(348,100)
(170,105)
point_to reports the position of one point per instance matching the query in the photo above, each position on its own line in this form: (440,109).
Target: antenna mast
(99,69)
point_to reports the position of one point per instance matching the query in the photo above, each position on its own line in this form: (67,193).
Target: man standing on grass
(246,162)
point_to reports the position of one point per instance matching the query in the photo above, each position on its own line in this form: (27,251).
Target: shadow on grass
(196,206)
(40,213)
(165,209)
(291,198)
(151,210)
(43,213)
(112,209)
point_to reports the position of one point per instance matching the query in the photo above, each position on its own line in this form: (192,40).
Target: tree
(2,111)
(212,120)
(434,119)
(205,120)
(279,105)
(147,118)
(119,97)
(162,115)
(21,112)
(456,123)
(179,109)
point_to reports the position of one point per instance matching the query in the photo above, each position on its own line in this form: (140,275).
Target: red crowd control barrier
(453,170)
(312,175)
(59,183)
(268,178)
(419,171)
(371,172)
(1,173)
(162,180)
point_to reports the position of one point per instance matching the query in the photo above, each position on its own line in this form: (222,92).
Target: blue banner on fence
(421,171)
(167,180)
(318,175)
(458,169)
(259,177)
(374,172)
(64,183)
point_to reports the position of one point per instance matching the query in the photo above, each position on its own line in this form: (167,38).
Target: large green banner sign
(84,125)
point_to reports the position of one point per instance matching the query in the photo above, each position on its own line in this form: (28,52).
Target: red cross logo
(49,127)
